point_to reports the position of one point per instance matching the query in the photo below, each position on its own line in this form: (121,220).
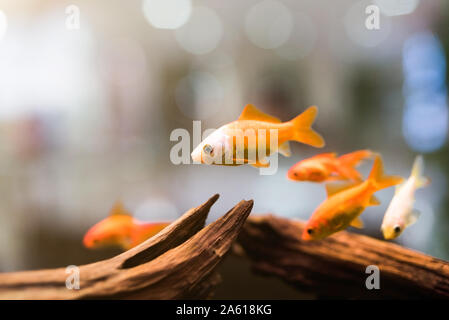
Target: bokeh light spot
(156,210)
(269,24)
(202,33)
(425,126)
(396,7)
(167,14)
(425,119)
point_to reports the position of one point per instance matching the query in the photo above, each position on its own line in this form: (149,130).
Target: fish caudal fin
(302,131)
(417,172)
(379,179)
(353,159)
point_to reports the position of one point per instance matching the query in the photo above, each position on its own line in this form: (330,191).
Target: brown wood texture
(178,263)
(336,267)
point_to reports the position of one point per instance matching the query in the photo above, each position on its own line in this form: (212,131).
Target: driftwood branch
(178,263)
(336,267)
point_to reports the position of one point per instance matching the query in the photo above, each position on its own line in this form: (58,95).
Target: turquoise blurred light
(425,119)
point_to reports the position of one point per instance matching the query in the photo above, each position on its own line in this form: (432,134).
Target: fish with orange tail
(346,202)
(327,167)
(120,229)
(249,140)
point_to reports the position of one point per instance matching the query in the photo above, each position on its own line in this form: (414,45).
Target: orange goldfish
(120,229)
(329,167)
(250,138)
(346,202)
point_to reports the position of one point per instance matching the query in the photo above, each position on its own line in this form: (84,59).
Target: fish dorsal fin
(357,223)
(250,112)
(284,149)
(333,188)
(119,209)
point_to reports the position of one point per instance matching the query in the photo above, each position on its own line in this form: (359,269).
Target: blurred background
(91,90)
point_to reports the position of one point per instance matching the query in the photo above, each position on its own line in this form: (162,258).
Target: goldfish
(345,202)
(329,167)
(258,132)
(400,213)
(120,229)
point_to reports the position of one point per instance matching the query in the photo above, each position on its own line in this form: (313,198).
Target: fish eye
(397,229)
(208,149)
(310,231)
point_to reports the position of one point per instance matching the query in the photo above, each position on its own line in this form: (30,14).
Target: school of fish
(241,142)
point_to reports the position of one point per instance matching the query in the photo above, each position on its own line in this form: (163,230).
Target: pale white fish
(400,213)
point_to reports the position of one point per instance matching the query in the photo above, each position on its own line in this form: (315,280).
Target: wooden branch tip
(180,262)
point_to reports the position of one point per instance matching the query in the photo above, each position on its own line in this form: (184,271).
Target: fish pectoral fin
(412,217)
(284,149)
(261,164)
(357,223)
(250,112)
(333,188)
(373,201)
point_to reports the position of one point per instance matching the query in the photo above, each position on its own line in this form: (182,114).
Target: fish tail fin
(353,159)
(379,179)
(302,131)
(417,172)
